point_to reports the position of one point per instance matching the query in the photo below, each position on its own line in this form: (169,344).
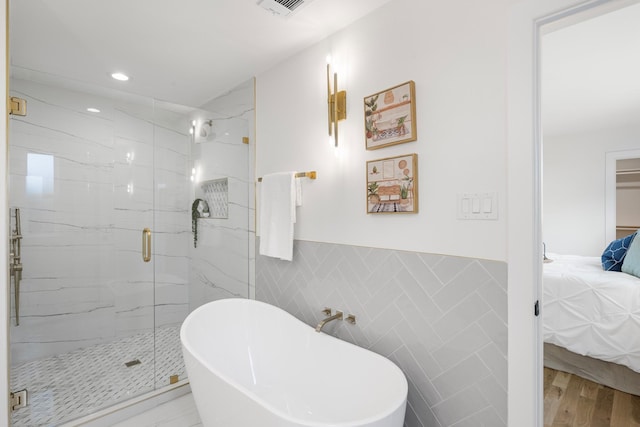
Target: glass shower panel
(172,235)
(97,324)
(134,232)
(83,184)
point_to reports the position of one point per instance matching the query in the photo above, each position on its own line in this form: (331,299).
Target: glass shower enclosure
(102,186)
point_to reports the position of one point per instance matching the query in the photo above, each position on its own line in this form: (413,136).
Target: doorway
(587,121)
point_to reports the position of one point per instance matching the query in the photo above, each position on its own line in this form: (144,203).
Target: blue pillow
(631,263)
(613,256)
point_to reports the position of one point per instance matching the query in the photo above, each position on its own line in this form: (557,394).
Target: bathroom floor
(71,385)
(180,412)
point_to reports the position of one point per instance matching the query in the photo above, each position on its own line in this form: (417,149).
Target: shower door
(84,184)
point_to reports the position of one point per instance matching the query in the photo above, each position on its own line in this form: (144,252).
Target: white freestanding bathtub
(252,364)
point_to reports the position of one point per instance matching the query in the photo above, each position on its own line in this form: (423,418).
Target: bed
(592,321)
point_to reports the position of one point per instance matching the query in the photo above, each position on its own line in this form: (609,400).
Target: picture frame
(392,185)
(390,116)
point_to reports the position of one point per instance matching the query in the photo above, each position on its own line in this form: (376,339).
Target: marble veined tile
(234,103)
(59,96)
(173,226)
(172,142)
(41,335)
(171,268)
(134,122)
(64,115)
(64,261)
(73,204)
(31,139)
(132,153)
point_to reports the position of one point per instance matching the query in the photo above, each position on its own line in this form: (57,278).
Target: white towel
(277,215)
(298,192)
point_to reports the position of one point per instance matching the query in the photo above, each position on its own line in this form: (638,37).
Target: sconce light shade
(337,104)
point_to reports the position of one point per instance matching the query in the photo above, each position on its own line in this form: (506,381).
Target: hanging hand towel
(298,192)
(277,215)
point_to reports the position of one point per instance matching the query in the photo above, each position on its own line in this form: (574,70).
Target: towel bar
(310,175)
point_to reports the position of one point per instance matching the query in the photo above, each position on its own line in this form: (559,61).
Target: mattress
(590,311)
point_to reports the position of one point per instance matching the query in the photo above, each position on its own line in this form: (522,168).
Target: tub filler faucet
(327,311)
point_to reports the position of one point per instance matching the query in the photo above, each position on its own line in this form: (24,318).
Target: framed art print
(390,116)
(392,185)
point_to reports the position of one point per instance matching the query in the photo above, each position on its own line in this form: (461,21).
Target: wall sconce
(337,104)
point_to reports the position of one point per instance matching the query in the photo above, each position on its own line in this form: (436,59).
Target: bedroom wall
(574,188)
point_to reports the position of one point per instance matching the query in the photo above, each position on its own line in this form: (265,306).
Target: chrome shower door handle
(146,245)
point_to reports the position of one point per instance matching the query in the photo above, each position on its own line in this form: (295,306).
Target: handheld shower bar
(15,262)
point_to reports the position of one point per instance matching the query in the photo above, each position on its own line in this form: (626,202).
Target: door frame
(542,26)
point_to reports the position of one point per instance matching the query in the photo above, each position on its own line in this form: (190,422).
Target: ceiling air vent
(281,7)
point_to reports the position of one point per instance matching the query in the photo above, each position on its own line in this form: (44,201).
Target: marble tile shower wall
(85,185)
(441,319)
(221,265)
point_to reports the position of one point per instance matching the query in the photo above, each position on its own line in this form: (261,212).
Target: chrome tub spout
(337,316)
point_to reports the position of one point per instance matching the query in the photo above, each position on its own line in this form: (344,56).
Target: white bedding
(590,311)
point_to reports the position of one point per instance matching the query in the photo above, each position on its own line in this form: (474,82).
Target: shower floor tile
(71,385)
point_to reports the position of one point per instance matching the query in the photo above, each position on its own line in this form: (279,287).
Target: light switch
(465,205)
(486,205)
(475,205)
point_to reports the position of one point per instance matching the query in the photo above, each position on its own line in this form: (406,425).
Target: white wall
(473,64)
(574,188)
(455,52)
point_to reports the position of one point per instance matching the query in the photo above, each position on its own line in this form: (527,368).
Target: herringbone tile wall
(441,319)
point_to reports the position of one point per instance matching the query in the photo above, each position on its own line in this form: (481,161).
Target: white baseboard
(125,410)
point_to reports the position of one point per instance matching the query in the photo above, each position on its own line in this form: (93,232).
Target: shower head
(205,131)
(205,128)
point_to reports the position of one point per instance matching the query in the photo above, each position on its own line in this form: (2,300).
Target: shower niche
(216,193)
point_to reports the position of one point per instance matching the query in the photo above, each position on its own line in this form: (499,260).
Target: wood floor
(573,401)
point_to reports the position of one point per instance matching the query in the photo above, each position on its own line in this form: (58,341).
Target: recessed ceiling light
(93,110)
(120,76)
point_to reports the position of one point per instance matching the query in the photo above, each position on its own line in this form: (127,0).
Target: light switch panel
(477,205)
